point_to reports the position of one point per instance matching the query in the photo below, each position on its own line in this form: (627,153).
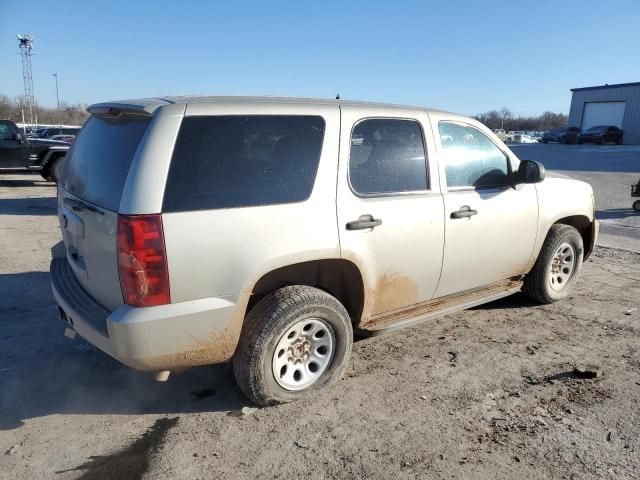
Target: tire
(266,333)
(601,141)
(541,284)
(545,141)
(619,141)
(579,142)
(636,205)
(53,170)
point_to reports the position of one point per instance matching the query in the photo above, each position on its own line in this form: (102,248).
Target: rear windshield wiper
(80,205)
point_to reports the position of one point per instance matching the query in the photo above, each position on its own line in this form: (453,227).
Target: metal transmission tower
(25,43)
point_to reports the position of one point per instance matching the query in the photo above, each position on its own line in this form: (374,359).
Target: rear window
(242,161)
(97,166)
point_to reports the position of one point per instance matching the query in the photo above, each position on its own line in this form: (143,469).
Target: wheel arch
(338,277)
(47,157)
(585,227)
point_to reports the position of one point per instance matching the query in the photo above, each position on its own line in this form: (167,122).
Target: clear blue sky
(463,56)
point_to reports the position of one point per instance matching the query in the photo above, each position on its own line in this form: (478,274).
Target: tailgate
(89,235)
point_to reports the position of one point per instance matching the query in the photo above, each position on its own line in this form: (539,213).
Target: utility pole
(57,94)
(25,43)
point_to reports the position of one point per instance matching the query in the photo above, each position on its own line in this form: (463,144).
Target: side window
(241,161)
(387,156)
(470,158)
(5,132)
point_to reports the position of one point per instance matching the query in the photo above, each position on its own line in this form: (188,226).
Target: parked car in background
(523,138)
(501,134)
(51,131)
(265,231)
(602,134)
(561,134)
(63,138)
(18,153)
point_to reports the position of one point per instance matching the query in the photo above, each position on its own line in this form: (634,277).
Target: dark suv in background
(19,153)
(562,135)
(602,134)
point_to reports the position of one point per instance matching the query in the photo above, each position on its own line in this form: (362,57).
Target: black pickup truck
(19,153)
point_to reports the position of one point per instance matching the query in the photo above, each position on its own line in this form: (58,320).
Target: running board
(438,307)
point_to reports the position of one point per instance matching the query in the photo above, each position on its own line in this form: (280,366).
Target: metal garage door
(602,113)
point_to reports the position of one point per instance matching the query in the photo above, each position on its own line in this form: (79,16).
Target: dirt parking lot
(507,390)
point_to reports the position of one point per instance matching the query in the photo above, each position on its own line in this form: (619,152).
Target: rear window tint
(97,166)
(242,161)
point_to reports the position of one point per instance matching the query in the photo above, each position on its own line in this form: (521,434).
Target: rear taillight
(142,261)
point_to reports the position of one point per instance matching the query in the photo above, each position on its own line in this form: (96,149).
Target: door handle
(464,212)
(364,222)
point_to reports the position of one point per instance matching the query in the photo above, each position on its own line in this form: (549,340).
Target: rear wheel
(601,141)
(557,267)
(54,169)
(295,341)
(636,205)
(619,141)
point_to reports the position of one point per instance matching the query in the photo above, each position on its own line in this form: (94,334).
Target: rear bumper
(164,337)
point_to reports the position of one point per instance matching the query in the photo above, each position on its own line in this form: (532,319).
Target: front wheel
(636,205)
(295,341)
(557,267)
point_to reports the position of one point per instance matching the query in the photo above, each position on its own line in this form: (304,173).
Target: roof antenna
(338,96)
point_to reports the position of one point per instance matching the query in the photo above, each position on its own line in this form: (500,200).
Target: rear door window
(97,166)
(387,156)
(241,161)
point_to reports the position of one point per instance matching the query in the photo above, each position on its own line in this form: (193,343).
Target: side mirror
(530,171)
(18,137)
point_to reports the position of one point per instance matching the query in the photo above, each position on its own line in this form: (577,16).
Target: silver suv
(267,231)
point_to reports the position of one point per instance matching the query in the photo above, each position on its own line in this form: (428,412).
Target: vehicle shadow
(616,213)
(517,300)
(20,182)
(43,373)
(28,206)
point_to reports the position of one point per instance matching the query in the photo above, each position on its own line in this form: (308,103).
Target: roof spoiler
(145,106)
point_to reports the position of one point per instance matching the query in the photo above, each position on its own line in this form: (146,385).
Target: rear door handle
(464,212)
(364,222)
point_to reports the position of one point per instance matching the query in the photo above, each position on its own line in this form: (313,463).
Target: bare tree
(74,114)
(506,113)
(506,120)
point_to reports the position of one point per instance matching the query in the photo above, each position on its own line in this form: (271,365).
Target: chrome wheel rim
(562,267)
(303,354)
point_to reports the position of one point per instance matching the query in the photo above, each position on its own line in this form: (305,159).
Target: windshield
(98,164)
(597,129)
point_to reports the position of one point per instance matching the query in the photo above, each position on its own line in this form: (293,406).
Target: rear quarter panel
(224,252)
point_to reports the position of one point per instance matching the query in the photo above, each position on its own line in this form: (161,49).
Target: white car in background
(527,139)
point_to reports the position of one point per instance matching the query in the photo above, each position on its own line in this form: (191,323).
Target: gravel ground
(507,390)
